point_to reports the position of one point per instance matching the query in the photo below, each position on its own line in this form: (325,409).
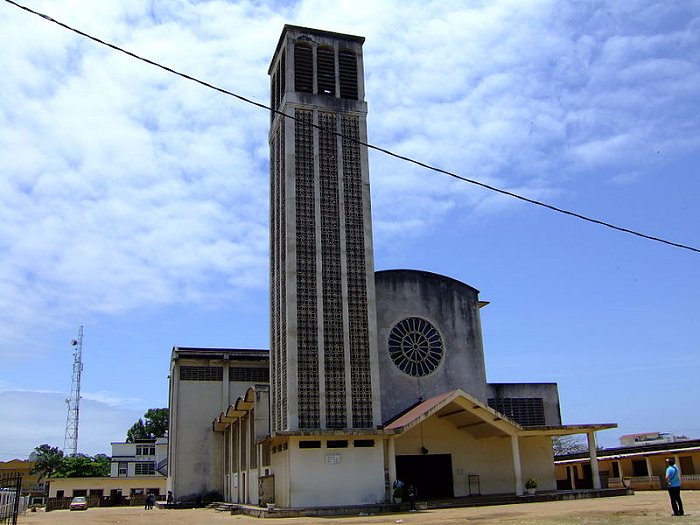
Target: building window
(363,443)
(527,411)
(201,373)
(145,450)
(337,443)
(144,468)
(686,464)
(415,347)
(122,469)
(254,375)
(309,444)
(59,493)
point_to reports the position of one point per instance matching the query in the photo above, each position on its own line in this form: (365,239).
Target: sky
(135,203)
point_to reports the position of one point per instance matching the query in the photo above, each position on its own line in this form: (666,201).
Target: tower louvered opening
(347,67)
(325,69)
(303,68)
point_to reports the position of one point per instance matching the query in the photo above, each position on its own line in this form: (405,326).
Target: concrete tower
(323,321)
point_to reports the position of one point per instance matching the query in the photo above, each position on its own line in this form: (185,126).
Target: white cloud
(31,418)
(127,187)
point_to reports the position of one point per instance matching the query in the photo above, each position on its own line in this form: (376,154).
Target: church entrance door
(431,474)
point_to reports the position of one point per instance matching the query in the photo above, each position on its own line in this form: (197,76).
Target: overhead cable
(368,145)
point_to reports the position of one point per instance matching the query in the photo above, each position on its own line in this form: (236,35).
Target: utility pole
(70,443)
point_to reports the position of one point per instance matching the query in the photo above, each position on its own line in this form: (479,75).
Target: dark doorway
(431,474)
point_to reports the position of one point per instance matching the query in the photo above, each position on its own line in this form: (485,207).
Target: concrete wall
(106,484)
(196,451)
(549,393)
(489,458)
(320,477)
(451,306)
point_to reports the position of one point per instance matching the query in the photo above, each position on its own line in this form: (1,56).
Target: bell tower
(324,365)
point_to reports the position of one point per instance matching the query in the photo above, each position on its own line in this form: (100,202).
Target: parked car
(79,503)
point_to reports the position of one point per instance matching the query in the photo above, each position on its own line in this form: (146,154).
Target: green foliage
(48,460)
(531,483)
(84,466)
(155,425)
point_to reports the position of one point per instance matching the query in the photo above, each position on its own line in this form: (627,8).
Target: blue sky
(134,202)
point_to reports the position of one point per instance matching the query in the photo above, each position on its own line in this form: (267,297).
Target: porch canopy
(470,415)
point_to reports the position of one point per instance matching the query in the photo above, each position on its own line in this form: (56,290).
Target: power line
(366,144)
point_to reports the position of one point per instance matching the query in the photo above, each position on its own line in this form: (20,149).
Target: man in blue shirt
(673,480)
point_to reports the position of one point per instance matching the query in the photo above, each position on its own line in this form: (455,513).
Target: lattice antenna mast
(70,443)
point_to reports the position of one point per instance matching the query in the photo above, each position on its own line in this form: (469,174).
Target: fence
(138,500)
(11,501)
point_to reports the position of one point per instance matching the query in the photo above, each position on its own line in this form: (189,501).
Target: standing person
(412,497)
(170,499)
(673,480)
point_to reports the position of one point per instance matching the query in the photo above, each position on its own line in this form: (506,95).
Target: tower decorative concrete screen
(323,320)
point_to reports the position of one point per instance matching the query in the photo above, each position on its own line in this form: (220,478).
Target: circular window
(415,346)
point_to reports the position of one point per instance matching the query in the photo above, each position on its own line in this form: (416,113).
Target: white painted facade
(145,457)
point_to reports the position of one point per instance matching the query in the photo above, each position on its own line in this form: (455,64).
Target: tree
(48,460)
(568,445)
(155,425)
(84,466)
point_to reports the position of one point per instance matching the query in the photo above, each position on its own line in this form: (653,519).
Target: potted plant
(531,485)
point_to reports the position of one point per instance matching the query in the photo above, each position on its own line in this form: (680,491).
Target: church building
(371,376)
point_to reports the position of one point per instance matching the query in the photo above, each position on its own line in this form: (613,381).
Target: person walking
(673,481)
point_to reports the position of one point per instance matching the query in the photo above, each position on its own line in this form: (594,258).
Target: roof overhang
(470,415)
(239,409)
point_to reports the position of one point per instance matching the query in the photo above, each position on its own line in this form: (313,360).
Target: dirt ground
(644,508)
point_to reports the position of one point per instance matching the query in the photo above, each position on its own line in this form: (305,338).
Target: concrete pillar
(391,463)
(229,467)
(650,473)
(248,439)
(239,468)
(517,466)
(593,454)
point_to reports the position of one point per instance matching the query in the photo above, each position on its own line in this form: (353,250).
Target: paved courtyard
(644,508)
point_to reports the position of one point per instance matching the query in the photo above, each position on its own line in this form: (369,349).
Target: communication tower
(70,443)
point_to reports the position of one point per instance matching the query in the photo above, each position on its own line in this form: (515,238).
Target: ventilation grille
(303,68)
(255,375)
(325,68)
(201,373)
(347,66)
(528,411)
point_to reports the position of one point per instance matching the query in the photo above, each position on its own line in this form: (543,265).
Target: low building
(642,467)
(137,469)
(32,486)
(649,438)
(113,489)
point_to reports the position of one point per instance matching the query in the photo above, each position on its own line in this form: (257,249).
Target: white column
(649,471)
(249,437)
(517,467)
(391,465)
(595,473)
(240,459)
(229,467)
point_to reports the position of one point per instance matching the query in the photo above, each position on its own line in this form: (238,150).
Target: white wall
(324,476)
(490,458)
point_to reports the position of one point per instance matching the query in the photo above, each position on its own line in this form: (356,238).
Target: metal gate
(11,501)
